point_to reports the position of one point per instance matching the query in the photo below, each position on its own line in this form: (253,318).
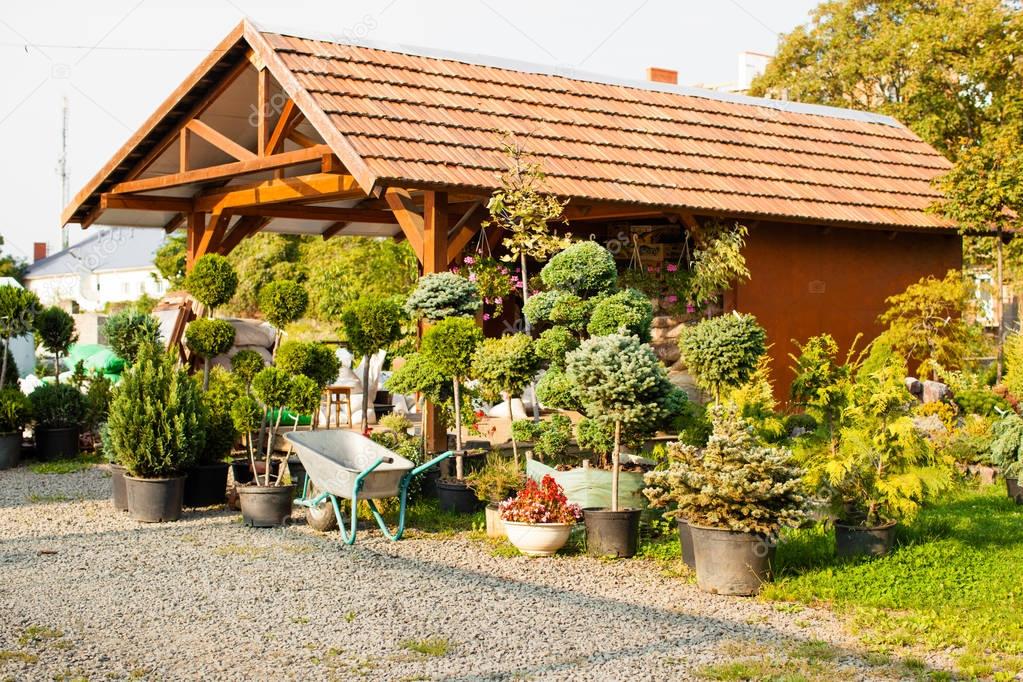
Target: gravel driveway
(87,593)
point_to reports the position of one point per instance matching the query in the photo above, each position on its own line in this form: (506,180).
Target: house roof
(410,117)
(102,251)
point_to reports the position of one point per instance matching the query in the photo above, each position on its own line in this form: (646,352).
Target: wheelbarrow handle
(436,460)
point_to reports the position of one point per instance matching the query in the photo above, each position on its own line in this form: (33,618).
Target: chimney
(38,251)
(657,75)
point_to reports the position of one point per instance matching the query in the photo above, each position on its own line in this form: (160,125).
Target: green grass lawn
(954,580)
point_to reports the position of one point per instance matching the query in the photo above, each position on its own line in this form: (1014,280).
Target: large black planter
(206,485)
(454,496)
(10,449)
(266,506)
(118,491)
(853,541)
(56,443)
(241,470)
(430,477)
(685,539)
(730,562)
(1014,489)
(154,500)
(612,533)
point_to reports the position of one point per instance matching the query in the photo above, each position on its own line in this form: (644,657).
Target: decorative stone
(667,352)
(676,331)
(662,322)
(930,426)
(915,386)
(935,391)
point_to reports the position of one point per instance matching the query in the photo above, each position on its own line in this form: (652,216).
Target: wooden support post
(196,226)
(434,258)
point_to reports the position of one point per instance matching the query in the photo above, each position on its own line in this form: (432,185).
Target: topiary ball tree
(129,330)
(584,268)
(449,346)
(620,381)
(627,311)
(371,324)
(441,295)
(282,302)
(18,310)
(208,338)
(56,331)
(723,352)
(505,365)
(554,344)
(212,281)
(246,364)
(309,359)
(272,387)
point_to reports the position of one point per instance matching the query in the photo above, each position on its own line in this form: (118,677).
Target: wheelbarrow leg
(403,499)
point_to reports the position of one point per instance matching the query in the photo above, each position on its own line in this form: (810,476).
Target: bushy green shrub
(225,388)
(15,410)
(55,329)
(982,401)
(209,338)
(308,358)
(723,352)
(550,437)
(539,306)
(624,312)
(58,406)
(505,365)
(212,281)
(98,396)
(584,268)
(556,390)
(247,363)
(596,436)
(571,311)
(1007,445)
(18,309)
(441,295)
(498,479)
(554,344)
(129,330)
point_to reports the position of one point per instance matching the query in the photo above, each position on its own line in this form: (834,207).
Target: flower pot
(730,562)
(612,533)
(685,540)
(10,449)
(495,524)
(59,443)
(1014,489)
(864,540)
(241,470)
(266,506)
(430,478)
(454,496)
(118,490)
(154,500)
(206,485)
(538,539)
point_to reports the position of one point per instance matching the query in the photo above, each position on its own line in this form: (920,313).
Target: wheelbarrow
(343,464)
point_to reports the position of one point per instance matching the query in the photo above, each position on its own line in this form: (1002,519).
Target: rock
(662,322)
(914,386)
(676,331)
(935,391)
(930,426)
(667,352)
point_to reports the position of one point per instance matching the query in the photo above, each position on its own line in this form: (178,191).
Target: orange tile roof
(427,120)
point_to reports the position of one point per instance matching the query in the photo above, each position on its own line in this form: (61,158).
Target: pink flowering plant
(542,502)
(668,284)
(494,281)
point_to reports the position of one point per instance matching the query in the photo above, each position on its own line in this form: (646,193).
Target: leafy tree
(129,330)
(209,338)
(18,310)
(56,331)
(272,387)
(341,269)
(505,365)
(449,345)
(620,381)
(170,260)
(723,352)
(371,324)
(441,295)
(306,358)
(718,262)
(260,260)
(212,281)
(246,364)
(282,303)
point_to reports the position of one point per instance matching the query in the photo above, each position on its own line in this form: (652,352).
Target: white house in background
(108,266)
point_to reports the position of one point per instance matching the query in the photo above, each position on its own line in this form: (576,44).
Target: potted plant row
(15,414)
(539,519)
(58,412)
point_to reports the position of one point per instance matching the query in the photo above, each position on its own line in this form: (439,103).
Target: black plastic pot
(430,478)
(118,491)
(612,533)
(10,449)
(864,541)
(56,443)
(453,495)
(685,539)
(1014,489)
(206,485)
(154,500)
(297,472)
(241,470)
(730,562)
(266,506)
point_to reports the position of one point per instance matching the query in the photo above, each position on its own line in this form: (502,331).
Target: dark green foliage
(55,330)
(212,281)
(98,396)
(11,378)
(539,306)
(130,329)
(981,401)
(15,410)
(224,390)
(282,302)
(307,358)
(170,260)
(550,437)
(442,295)
(11,266)
(157,423)
(258,260)
(58,406)
(450,345)
(554,344)
(723,352)
(596,436)
(627,311)
(247,414)
(209,338)
(584,268)
(419,375)
(1007,445)
(372,324)
(247,363)
(571,311)
(556,390)
(504,365)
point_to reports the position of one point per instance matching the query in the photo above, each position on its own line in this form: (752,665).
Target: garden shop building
(311,134)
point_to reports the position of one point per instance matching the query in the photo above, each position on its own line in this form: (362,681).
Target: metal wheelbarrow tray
(346,465)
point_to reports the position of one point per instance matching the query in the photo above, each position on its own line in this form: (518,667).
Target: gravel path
(87,593)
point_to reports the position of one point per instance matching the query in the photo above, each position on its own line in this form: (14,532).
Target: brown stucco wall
(806,280)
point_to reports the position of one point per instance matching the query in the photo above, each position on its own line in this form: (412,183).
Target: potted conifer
(206,482)
(209,338)
(212,281)
(1007,452)
(15,414)
(56,331)
(505,366)
(58,411)
(282,302)
(371,324)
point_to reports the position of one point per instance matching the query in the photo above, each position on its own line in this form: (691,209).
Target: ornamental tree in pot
(539,519)
(157,429)
(18,309)
(209,338)
(1007,453)
(282,302)
(505,366)
(56,332)
(736,495)
(723,352)
(128,330)
(371,324)
(620,382)
(206,482)
(15,414)
(212,281)
(58,411)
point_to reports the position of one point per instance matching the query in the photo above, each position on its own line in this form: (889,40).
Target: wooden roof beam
(219,140)
(286,122)
(145,203)
(298,212)
(409,220)
(317,186)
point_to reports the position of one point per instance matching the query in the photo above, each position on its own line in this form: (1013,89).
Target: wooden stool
(336,397)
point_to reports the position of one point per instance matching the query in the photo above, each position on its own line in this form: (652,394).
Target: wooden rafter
(286,122)
(246,226)
(409,220)
(219,140)
(301,140)
(348,215)
(318,186)
(213,234)
(262,95)
(463,231)
(145,203)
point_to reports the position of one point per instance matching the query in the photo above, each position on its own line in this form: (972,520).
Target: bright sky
(117,60)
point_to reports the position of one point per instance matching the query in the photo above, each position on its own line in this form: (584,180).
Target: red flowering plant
(542,502)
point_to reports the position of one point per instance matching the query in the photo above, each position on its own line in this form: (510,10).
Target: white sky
(117,60)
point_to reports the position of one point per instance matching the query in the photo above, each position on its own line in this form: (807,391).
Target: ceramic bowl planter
(612,533)
(10,449)
(1014,489)
(851,541)
(266,506)
(154,500)
(118,488)
(206,485)
(730,562)
(56,443)
(538,539)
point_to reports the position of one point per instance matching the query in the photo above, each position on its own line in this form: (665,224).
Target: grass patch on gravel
(7,656)
(36,634)
(952,582)
(65,466)
(49,499)
(431,646)
(762,670)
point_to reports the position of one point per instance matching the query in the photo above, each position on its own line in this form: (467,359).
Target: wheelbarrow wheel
(321,517)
